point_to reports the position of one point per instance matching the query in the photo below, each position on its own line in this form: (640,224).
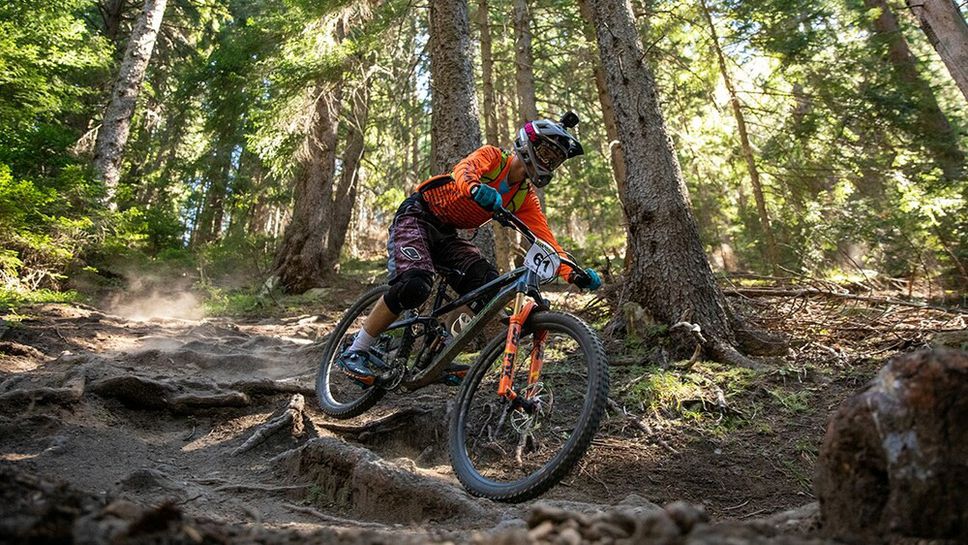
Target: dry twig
(292,417)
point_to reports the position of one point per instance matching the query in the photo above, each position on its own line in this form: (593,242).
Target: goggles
(548,155)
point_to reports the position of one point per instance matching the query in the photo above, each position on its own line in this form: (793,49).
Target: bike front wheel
(506,454)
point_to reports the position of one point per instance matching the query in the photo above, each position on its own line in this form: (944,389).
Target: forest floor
(150,410)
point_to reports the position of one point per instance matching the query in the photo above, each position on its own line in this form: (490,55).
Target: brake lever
(501,215)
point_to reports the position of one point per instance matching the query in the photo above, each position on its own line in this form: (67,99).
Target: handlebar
(505,217)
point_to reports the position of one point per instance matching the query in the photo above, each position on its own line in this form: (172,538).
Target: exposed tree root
(385,424)
(291,418)
(330,518)
(640,424)
(271,387)
(71,392)
(191,401)
(145,393)
(260,488)
(357,479)
(726,353)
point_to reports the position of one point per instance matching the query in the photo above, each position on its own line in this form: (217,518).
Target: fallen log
(814,292)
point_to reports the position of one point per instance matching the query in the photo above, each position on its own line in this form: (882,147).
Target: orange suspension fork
(537,356)
(519,315)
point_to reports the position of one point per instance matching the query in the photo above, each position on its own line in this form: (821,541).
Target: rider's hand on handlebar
(486,197)
(587,279)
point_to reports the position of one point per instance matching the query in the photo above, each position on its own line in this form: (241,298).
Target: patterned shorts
(418,240)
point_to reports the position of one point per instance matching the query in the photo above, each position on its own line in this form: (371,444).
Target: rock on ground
(894,461)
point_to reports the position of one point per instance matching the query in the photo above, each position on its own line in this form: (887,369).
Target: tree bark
(300,260)
(503,253)
(116,125)
(487,73)
(669,274)
(524,71)
(112,12)
(210,219)
(455,130)
(344,198)
(940,139)
(524,63)
(770,249)
(608,111)
(946,29)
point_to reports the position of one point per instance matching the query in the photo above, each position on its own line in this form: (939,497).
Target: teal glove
(486,197)
(586,280)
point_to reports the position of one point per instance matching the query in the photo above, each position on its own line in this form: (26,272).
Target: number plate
(543,260)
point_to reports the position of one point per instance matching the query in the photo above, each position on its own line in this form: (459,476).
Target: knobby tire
(564,461)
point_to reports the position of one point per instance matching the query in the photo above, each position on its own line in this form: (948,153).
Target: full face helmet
(544,144)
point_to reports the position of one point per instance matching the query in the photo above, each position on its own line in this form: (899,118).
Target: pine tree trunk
(111,13)
(502,240)
(300,260)
(210,219)
(608,112)
(524,63)
(940,138)
(770,250)
(942,22)
(455,130)
(116,125)
(669,275)
(524,71)
(344,198)
(487,73)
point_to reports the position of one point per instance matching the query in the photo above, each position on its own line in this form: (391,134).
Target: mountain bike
(516,430)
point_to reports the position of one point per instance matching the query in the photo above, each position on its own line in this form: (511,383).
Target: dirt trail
(152,411)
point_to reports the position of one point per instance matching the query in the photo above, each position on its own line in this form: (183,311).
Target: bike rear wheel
(340,396)
(507,455)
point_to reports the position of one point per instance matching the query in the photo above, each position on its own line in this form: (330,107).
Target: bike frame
(517,286)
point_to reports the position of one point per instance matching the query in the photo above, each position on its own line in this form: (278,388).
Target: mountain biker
(424,230)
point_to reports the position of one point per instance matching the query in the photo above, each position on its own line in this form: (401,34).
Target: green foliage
(12,299)
(846,159)
(688,395)
(46,55)
(233,303)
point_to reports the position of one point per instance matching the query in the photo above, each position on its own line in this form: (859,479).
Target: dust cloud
(157,305)
(148,298)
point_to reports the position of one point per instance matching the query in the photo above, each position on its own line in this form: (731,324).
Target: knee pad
(409,291)
(477,274)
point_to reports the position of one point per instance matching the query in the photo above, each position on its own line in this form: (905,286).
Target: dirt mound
(678,523)
(358,480)
(182,367)
(36,510)
(893,460)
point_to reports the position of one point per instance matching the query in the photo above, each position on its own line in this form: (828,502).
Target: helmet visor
(548,155)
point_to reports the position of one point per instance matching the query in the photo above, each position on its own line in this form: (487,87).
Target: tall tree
(455,130)
(668,272)
(344,198)
(299,263)
(524,63)
(524,70)
(770,249)
(943,23)
(503,242)
(116,124)
(487,73)
(605,102)
(940,138)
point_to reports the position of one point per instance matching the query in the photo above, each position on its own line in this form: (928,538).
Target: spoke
(519,443)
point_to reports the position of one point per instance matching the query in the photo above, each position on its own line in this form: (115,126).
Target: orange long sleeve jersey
(449,195)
